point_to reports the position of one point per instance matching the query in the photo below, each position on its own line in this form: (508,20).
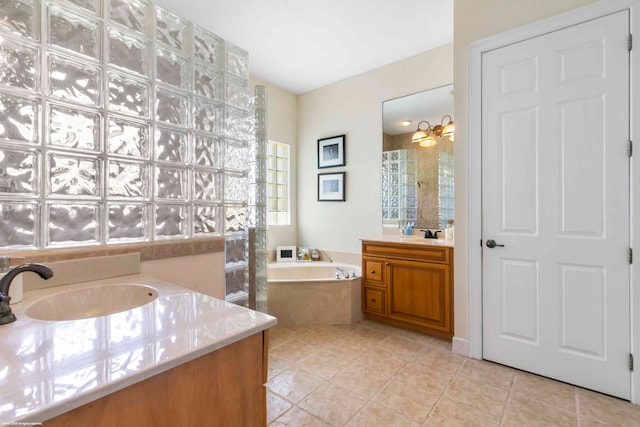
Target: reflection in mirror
(417,169)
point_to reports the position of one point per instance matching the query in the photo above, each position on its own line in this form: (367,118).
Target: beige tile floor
(370,374)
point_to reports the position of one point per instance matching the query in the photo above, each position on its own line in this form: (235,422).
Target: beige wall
(474,20)
(282,126)
(354,107)
(202,273)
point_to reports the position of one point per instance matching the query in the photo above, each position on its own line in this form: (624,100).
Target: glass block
(261,143)
(128,52)
(235,187)
(237,94)
(128,95)
(80,34)
(236,285)
(171,220)
(73,128)
(208,47)
(235,218)
(19,118)
(208,151)
(73,176)
(128,138)
(206,219)
(171,183)
(235,156)
(128,222)
(208,116)
(69,224)
(74,81)
(260,97)
(172,68)
(237,61)
(238,124)
(20,17)
(235,250)
(130,13)
(172,107)
(128,179)
(94,6)
(18,224)
(261,241)
(206,185)
(209,83)
(20,65)
(260,119)
(18,172)
(170,29)
(171,145)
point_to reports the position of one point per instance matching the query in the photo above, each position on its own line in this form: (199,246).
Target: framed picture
(331,187)
(331,152)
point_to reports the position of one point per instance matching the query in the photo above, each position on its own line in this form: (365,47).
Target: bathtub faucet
(343,272)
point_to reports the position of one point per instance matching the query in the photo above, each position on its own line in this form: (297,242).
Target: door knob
(493,244)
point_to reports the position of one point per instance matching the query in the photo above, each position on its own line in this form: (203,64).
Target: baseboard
(460,346)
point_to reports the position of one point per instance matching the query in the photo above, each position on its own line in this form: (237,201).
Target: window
(277,183)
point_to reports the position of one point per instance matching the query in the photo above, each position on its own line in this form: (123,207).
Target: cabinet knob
(373,271)
(373,300)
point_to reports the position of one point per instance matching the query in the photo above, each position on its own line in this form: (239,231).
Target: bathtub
(308,293)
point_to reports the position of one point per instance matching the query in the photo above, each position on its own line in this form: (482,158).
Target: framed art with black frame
(331,152)
(331,187)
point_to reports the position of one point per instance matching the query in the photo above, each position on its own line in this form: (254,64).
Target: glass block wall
(399,190)
(445,188)
(258,195)
(119,122)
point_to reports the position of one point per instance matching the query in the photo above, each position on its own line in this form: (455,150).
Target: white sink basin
(90,302)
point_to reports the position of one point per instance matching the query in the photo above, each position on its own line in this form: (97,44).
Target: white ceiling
(301,45)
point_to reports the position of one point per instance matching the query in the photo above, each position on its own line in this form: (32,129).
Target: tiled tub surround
(309,294)
(52,367)
(371,374)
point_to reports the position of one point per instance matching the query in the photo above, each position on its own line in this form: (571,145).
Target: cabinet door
(374,301)
(420,293)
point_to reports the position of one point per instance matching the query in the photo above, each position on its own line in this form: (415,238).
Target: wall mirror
(417,177)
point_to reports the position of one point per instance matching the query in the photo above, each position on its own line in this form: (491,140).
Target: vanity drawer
(374,301)
(373,270)
(407,251)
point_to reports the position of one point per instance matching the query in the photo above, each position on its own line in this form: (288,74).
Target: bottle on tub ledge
(303,255)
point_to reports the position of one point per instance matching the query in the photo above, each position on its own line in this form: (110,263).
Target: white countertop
(413,240)
(48,368)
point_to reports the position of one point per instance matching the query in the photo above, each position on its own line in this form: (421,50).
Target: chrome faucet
(6,315)
(343,272)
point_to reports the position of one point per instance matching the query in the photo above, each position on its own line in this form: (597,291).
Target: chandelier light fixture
(427,137)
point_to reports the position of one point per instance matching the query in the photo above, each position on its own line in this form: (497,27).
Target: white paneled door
(555,205)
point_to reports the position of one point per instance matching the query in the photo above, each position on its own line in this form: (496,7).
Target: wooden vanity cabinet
(222,388)
(409,285)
